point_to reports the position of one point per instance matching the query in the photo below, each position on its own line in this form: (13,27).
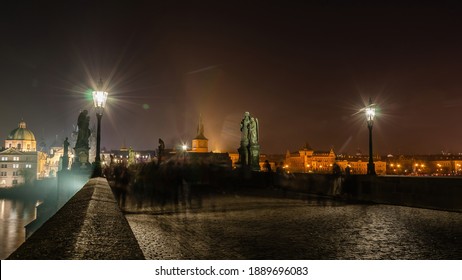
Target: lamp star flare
(99,99)
(370,114)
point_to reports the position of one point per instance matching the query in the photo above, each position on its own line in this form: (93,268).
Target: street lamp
(184,147)
(99,98)
(370,114)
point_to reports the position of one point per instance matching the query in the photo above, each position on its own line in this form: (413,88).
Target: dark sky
(304,70)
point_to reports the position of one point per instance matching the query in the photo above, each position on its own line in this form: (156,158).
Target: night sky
(304,70)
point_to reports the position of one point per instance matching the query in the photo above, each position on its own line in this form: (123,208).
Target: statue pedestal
(81,159)
(244,159)
(255,157)
(65,162)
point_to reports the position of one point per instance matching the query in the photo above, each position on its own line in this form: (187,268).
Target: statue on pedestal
(253,131)
(161,151)
(244,147)
(245,127)
(249,151)
(65,163)
(83,123)
(81,146)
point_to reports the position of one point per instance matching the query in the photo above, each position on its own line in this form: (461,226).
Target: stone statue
(245,127)
(253,130)
(161,146)
(65,163)
(82,146)
(66,147)
(249,151)
(161,150)
(83,123)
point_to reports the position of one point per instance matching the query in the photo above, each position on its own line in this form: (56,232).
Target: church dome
(21,133)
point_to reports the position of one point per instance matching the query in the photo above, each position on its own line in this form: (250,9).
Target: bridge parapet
(441,193)
(89,226)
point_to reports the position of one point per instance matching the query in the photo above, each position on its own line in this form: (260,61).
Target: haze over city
(304,70)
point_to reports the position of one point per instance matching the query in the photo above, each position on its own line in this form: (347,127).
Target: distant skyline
(303,69)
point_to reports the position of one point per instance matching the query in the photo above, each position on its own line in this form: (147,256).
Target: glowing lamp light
(99,98)
(370,112)
(184,147)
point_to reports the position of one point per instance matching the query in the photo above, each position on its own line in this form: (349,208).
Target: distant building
(123,156)
(199,153)
(234,159)
(306,160)
(436,165)
(200,144)
(20,162)
(55,160)
(358,164)
(22,139)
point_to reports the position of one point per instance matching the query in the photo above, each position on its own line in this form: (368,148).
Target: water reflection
(14,215)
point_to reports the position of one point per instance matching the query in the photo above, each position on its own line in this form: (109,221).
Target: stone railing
(442,193)
(89,226)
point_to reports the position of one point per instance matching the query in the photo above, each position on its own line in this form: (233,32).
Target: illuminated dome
(21,133)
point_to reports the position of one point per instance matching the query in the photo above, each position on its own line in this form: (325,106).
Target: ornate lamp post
(99,98)
(370,113)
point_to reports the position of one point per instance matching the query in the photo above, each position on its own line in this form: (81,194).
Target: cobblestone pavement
(234,227)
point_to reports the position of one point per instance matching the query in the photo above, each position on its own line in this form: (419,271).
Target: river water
(14,215)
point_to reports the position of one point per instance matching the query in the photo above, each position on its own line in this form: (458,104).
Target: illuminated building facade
(20,162)
(306,160)
(423,165)
(54,161)
(122,156)
(358,165)
(234,159)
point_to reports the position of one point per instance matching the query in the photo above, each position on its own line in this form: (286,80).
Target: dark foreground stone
(89,226)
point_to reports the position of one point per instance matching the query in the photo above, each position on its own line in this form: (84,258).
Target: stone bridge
(89,226)
(299,221)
